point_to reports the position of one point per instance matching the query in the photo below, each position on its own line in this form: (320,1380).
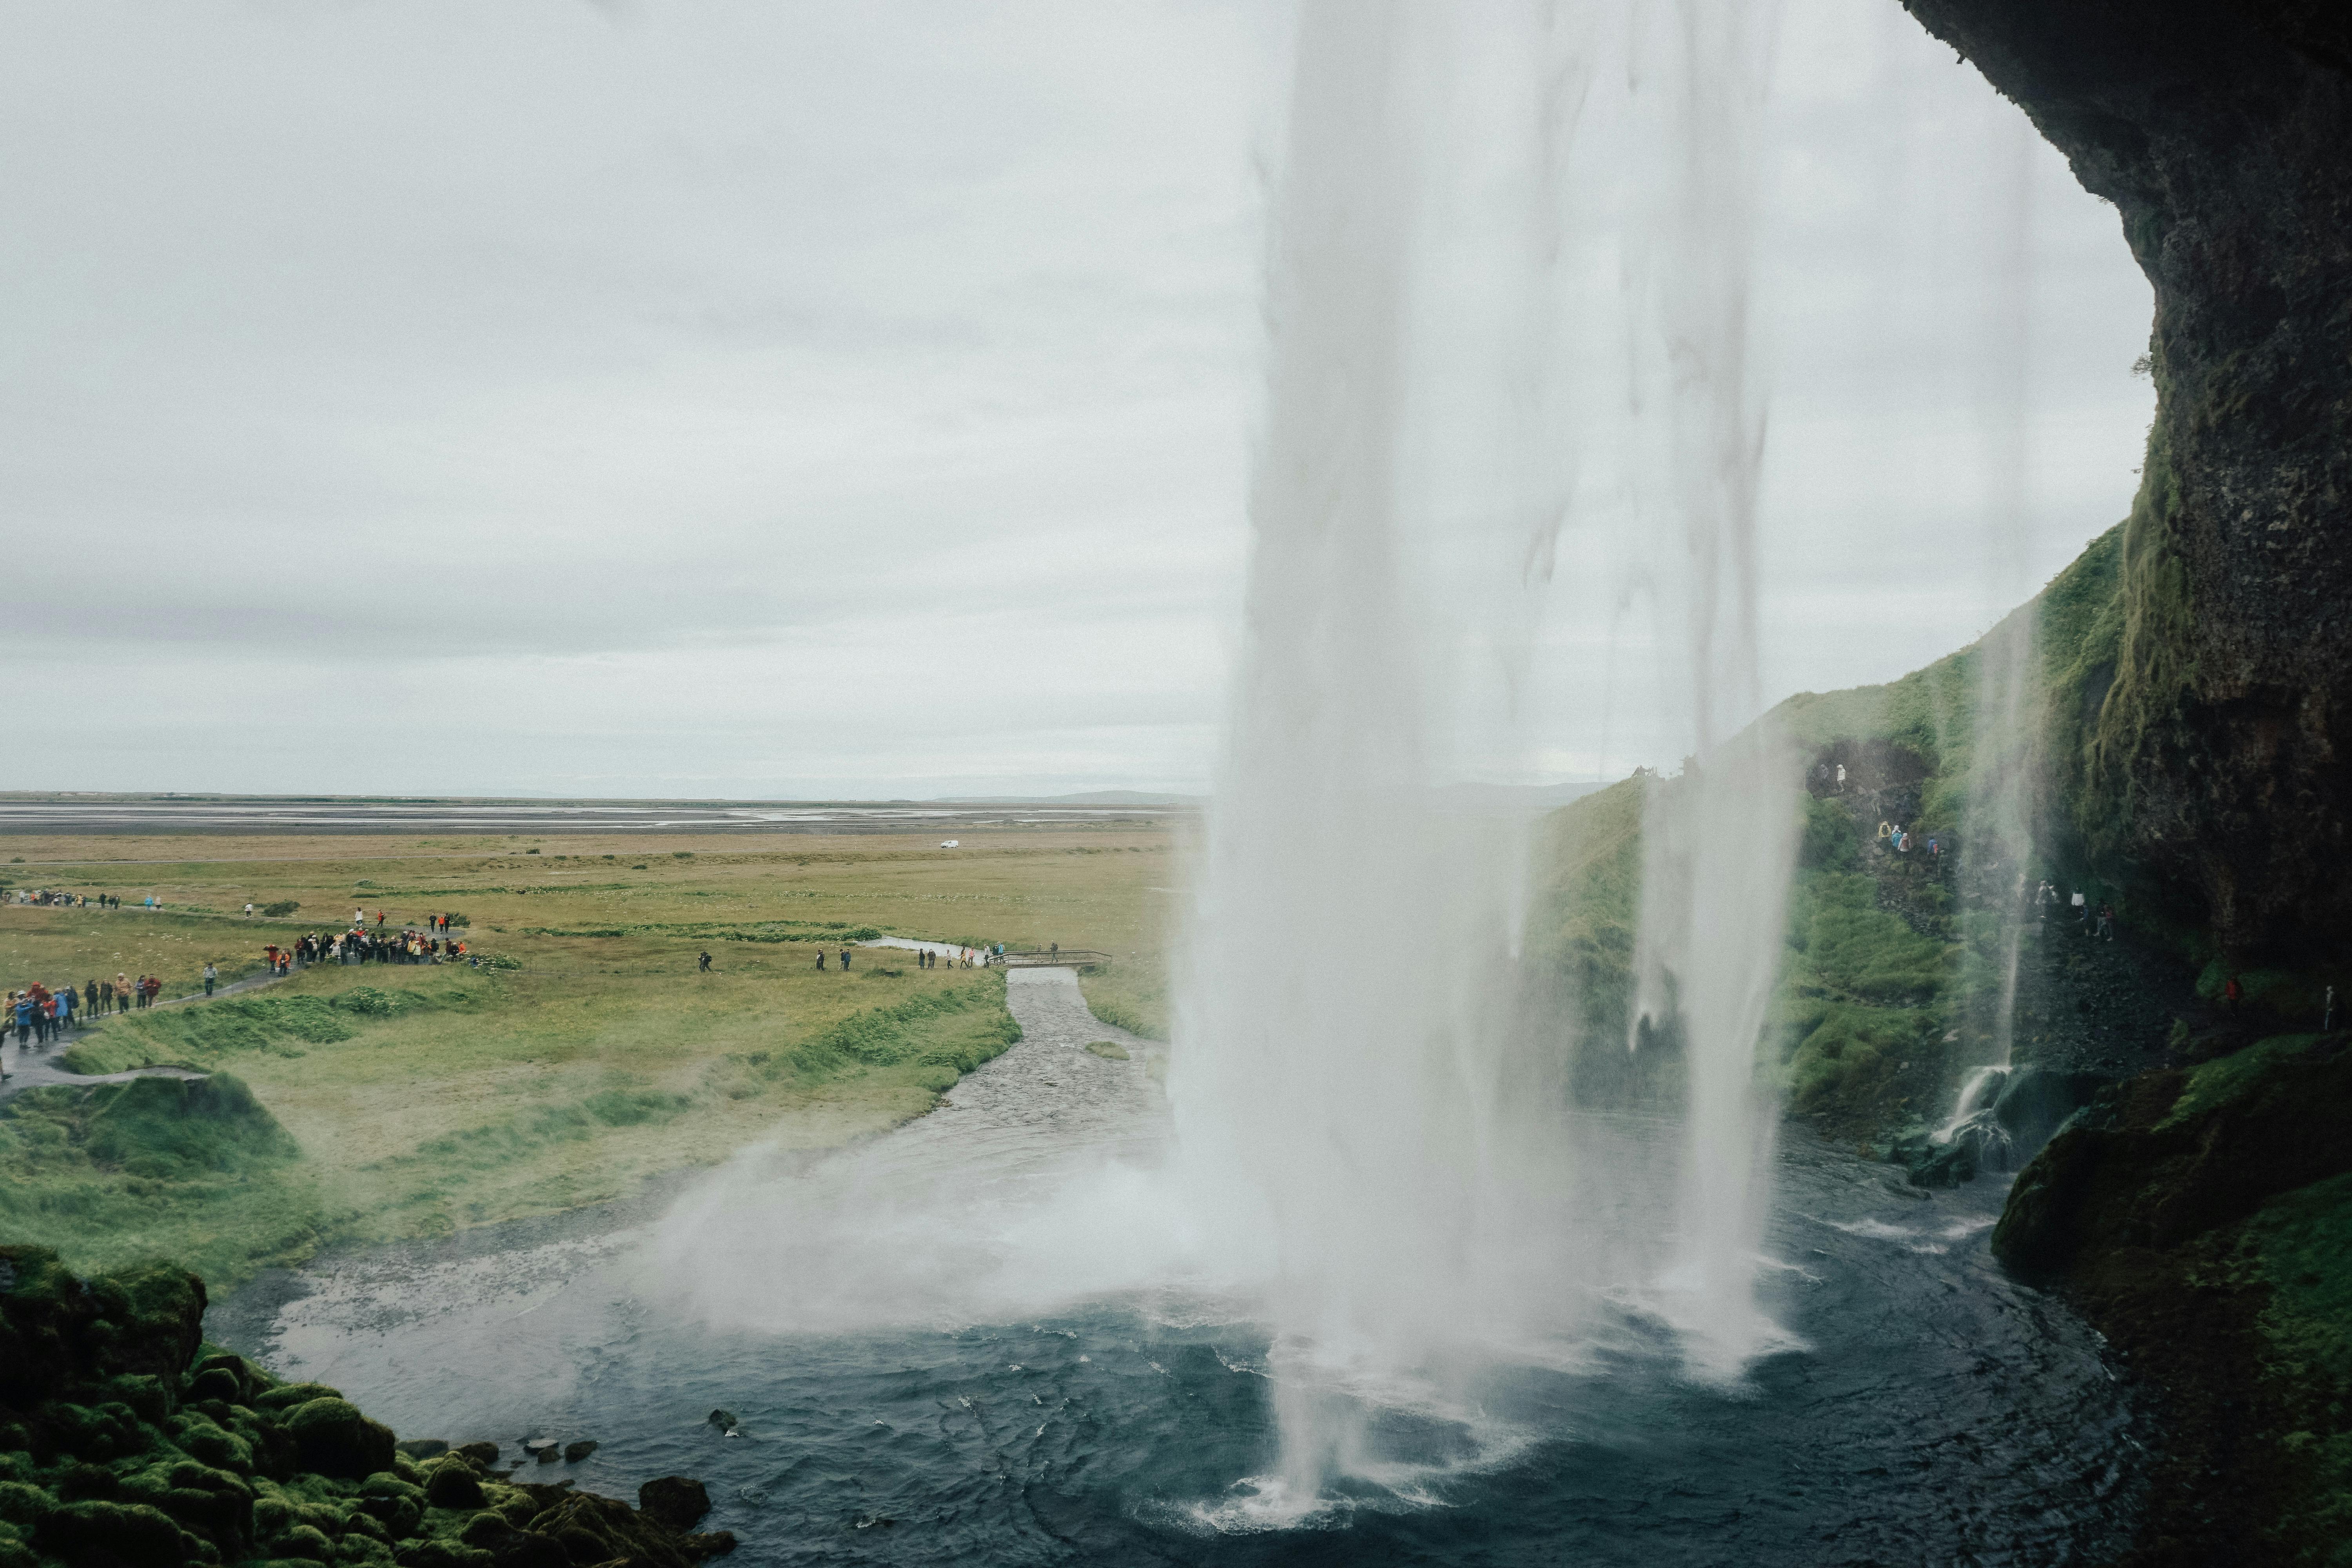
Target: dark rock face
(2152,1207)
(2208,766)
(2142,1169)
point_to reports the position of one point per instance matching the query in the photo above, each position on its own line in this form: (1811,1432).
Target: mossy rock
(333,1439)
(103,1535)
(453,1484)
(288,1395)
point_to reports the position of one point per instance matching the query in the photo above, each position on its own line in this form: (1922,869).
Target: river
(935,1354)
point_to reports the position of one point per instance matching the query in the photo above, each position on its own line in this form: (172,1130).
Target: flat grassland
(423,1099)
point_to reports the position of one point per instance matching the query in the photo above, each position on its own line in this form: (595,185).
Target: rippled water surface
(1932,1411)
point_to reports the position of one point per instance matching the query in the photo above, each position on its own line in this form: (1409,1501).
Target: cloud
(435,397)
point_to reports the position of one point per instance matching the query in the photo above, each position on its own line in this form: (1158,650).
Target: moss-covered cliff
(2205,765)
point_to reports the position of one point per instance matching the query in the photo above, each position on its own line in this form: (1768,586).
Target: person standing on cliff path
(820,961)
(2232,994)
(212,973)
(844,961)
(704,966)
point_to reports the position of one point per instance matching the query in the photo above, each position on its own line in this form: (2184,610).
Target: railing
(1047,958)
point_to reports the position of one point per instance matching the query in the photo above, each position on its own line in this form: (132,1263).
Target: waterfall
(1720,841)
(1345,1083)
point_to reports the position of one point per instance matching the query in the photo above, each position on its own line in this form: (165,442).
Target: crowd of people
(39,1013)
(1899,838)
(55,898)
(2099,922)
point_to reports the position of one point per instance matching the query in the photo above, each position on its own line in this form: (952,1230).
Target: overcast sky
(781,399)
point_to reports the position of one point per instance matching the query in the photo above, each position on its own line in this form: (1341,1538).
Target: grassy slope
(1886,977)
(425,1099)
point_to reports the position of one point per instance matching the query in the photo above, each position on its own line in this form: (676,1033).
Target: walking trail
(20,1070)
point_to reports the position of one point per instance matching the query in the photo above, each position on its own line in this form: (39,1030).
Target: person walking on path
(212,973)
(248,909)
(705,965)
(820,960)
(844,961)
(122,992)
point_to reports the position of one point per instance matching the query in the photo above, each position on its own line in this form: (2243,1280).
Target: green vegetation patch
(2301,1246)
(121,1171)
(189,1035)
(201,1031)
(1852,946)
(2235,1076)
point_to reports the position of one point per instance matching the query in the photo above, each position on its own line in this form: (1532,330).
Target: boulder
(2036,1101)
(452,1483)
(677,1502)
(575,1452)
(333,1439)
(597,1530)
(285,1396)
(422,1447)
(105,1533)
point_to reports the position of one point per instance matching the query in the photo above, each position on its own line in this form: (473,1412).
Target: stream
(936,1351)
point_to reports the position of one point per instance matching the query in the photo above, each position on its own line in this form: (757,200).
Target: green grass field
(423,1099)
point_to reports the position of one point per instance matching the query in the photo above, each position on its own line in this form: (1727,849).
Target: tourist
(845,959)
(705,967)
(122,992)
(820,958)
(2106,927)
(89,998)
(248,909)
(2232,994)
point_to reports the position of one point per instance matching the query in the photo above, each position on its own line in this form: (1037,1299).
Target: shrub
(280,909)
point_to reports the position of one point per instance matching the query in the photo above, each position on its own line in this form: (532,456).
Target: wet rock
(598,1530)
(677,1502)
(1946,1165)
(484,1455)
(709,1543)
(575,1452)
(331,1437)
(549,1455)
(724,1418)
(537,1445)
(2036,1101)
(421,1447)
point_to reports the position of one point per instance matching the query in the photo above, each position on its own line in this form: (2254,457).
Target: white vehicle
(948,843)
